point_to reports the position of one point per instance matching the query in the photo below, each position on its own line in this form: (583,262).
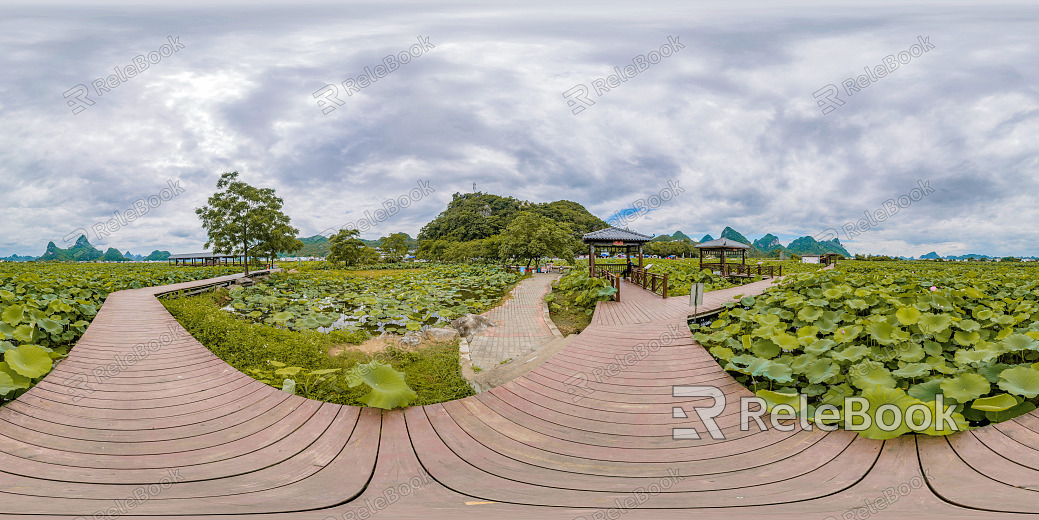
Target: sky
(726,124)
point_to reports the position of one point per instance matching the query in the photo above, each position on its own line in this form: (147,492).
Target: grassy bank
(432,371)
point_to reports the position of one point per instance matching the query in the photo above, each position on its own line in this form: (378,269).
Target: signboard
(696,295)
(618,242)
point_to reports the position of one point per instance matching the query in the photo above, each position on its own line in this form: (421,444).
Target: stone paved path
(522,326)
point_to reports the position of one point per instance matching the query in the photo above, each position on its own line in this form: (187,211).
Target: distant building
(827,259)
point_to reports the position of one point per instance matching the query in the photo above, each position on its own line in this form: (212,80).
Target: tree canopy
(475,216)
(347,249)
(394,247)
(240,218)
(531,237)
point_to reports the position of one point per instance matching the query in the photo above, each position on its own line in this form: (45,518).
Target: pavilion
(713,256)
(613,238)
(714,252)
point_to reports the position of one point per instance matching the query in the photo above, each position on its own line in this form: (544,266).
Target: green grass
(432,372)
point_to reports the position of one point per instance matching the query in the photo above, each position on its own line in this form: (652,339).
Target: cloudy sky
(731,116)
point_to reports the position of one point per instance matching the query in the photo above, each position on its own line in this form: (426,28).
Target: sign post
(696,296)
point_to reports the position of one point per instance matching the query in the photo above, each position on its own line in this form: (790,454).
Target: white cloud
(731,117)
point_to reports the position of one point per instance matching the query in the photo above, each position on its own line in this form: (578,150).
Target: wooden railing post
(665,286)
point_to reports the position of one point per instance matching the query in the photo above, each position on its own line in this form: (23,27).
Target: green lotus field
(393,302)
(905,336)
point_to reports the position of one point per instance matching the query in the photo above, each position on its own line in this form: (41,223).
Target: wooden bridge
(142,421)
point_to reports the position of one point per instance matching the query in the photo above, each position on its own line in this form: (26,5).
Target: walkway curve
(142,421)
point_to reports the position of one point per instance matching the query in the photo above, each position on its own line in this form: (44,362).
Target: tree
(394,247)
(276,238)
(347,249)
(433,250)
(239,218)
(531,236)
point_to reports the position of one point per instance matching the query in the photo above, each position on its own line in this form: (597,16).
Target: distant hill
(113,255)
(681,236)
(706,238)
(732,234)
(18,258)
(768,244)
(317,246)
(810,246)
(668,238)
(473,216)
(930,256)
(158,255)
(975,256)
(81,251)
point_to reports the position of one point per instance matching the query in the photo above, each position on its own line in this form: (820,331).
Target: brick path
(521,326)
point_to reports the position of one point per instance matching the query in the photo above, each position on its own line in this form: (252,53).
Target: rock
(410,339)
(471,324)
(439,334)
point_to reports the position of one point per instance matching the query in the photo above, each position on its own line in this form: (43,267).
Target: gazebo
(613,238)
(714,253)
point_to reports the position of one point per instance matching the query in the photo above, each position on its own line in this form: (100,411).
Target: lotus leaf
(1021,380)
(908,315)
(388,388)
(30,361)
(965,387)
(1015,411)
(995,403)
(869,378)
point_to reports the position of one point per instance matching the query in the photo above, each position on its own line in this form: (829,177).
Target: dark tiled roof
(612,233)
(722,242)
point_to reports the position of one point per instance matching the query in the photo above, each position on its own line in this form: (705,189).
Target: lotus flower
(933,288)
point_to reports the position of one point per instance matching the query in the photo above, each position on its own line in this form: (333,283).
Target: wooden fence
(745,271)
(656,283)
(614,279)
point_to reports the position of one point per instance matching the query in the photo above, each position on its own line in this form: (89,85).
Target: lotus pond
(349,301)
(892,333)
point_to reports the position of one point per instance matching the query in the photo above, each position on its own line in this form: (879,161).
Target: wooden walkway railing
(120,429)
(614,280)
(652,282)
(745,270)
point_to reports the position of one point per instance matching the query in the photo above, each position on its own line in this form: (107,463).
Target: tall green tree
(347,249)
(394,247)
(277,238)
(531,237)
(239,218)
(433,250)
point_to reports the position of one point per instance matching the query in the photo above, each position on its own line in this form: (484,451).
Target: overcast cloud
(731,117)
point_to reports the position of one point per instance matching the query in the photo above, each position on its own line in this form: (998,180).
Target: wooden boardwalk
(174,432)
